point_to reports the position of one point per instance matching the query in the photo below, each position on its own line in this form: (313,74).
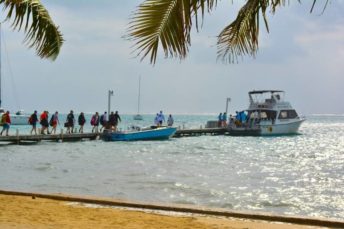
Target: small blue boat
(152,133)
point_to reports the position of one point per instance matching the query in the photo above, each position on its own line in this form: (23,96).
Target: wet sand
(29,213)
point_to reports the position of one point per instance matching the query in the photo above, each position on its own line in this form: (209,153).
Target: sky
(303,54)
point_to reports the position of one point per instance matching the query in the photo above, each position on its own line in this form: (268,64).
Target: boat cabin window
(263,114)
(287,114)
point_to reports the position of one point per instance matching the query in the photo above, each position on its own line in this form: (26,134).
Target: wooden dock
(64,137)
(198,132)
(48,137)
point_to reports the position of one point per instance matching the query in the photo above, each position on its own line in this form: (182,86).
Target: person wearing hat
(70,122)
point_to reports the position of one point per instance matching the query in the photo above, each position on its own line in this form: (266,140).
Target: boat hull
(153,134)
(138,117)
(281,128)
(20,119)
(241,131)
(268,129)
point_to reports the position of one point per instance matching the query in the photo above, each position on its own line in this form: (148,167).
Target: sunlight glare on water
(297,175)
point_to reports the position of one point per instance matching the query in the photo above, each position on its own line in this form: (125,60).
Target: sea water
(294,175)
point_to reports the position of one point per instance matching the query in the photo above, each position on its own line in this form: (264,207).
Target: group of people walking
(222,119)
(160,119)
(106,122)
(241,118)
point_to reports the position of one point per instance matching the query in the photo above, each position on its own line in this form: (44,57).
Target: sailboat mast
(138,99)
(0,67)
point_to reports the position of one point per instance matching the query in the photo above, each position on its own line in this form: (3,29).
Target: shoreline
(92,205)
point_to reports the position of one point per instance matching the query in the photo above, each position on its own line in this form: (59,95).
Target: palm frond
(241,36)
(166,23)
(201,5)
(313,5)
(41,32)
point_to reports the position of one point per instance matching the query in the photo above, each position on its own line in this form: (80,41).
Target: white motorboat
(268,114)
(18,118)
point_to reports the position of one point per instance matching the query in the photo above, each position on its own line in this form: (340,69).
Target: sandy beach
(28,212)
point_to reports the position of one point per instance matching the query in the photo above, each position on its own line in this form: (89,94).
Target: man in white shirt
(161,118)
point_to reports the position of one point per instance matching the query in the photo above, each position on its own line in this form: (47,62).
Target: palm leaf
(166,23)
(41,32)
(241,36)
(314,1)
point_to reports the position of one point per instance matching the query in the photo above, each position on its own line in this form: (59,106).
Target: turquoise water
(294,175)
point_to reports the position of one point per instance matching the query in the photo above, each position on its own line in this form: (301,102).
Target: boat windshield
(262,114)
(287,114)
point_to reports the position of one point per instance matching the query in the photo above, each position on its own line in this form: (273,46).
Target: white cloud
(300,55)
(314,34)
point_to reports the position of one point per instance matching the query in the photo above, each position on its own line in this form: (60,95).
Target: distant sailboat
(18,118)
(138,116)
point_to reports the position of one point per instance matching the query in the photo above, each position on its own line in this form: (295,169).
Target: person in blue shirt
(238,118)
(224,119)
(243,117)
(219,118)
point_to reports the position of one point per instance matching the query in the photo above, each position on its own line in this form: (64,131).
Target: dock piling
(61,135)
(17,134)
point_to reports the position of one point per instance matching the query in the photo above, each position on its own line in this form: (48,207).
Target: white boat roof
(265,91)
(268,99)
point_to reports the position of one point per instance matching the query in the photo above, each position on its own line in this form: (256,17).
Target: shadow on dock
(198,132)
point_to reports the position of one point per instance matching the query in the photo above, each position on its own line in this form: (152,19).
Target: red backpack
(30,121)
(93,120)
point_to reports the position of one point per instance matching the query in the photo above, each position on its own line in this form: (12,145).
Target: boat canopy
(265,98)
(265,91)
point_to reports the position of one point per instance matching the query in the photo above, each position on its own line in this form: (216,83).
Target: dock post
(227,101)
(110,93)
(17,134)
(61,135)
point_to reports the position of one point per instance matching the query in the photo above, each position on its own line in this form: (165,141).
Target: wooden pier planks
(197,132)
(48,137)
(18,138)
